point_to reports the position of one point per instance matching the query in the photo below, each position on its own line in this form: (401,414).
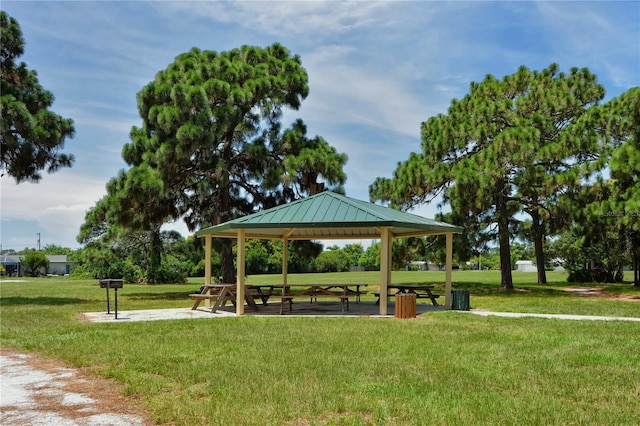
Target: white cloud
(306,19)
(351,93)
(56,206)
(67,208)
(600,37)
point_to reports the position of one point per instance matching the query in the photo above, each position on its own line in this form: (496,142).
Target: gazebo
(327,216)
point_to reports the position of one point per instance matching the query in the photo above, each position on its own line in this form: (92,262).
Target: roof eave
(229,230)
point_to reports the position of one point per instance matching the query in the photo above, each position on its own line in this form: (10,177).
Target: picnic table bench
(260,292)
(313,291)
(421,292)
(223,293)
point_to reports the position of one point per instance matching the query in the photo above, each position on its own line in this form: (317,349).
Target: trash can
(405,305)
(460,300)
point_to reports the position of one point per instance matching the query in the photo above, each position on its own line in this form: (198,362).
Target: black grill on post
(115,285)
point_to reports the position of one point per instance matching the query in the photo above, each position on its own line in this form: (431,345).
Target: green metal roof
(326,216)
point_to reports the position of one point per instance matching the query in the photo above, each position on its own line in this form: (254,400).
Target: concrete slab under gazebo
(327,216)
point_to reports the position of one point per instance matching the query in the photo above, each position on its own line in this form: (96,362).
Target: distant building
(526,266)
(421,265)
(58,265)
(12,265)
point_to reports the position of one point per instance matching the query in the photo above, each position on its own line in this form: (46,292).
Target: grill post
(115,290)
(115,285)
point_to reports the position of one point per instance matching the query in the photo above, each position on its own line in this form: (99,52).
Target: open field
(442,368)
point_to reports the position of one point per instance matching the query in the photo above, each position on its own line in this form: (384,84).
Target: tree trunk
(226,255)
(503,237)
(636,269)
(155,256)
(635,257)
(537,232)
(228,268)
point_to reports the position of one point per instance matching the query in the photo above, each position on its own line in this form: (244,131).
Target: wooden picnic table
(348,291)
(313,291)
(422,291)
(220,294)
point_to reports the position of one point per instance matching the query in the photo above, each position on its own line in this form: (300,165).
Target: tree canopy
(625,169)
(34,260)
(31,136)
(606,213)
(504,148)
(212,146)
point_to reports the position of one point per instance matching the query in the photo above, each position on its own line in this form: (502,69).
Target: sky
(377,70)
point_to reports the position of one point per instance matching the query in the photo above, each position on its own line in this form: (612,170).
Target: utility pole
(38,234)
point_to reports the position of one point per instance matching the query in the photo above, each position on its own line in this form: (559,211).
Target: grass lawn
(441,368)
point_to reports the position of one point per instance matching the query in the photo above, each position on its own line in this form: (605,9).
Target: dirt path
(597,291)
(38,391)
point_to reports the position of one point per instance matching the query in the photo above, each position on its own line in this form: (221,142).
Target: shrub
(34,260)
(594,276)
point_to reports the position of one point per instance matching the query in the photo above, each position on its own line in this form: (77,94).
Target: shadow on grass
(484,289)
(39,300)
(619,288)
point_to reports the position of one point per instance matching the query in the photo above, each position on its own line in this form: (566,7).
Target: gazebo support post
(385,267)
(240,273)
(447,299)
(207,265)
(285,262)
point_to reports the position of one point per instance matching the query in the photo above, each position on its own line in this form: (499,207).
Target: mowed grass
(441,368)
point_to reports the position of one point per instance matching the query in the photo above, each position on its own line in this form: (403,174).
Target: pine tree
(212,147)
(31,136)
(505,147)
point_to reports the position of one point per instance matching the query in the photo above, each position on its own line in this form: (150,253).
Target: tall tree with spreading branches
(31,136)
(503,148)
(625,170)
(212,147)
(613,205)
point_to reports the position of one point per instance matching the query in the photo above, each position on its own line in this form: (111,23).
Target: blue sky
(376,71)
